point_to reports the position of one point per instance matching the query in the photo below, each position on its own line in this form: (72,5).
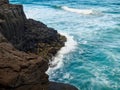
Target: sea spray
(57,61)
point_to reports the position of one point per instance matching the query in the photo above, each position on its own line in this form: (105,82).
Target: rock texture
(26,46)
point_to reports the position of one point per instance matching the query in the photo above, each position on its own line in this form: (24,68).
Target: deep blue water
(91,58)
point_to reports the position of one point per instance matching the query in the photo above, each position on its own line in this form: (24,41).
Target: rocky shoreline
(26,46)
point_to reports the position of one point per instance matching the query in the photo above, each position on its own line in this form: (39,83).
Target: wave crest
(79,11)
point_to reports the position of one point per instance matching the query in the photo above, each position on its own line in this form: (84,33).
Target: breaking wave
(57,61)
(79,11)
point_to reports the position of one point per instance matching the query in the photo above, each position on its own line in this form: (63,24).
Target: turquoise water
(91,58)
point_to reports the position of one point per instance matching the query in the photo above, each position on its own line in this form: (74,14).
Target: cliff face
(25,47)
(24,34)
(17,67)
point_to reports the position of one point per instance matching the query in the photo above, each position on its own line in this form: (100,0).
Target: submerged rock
(26,46)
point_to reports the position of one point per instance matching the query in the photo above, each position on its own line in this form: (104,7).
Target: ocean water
(90,59)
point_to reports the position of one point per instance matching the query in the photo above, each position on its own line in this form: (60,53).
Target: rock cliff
(26,46)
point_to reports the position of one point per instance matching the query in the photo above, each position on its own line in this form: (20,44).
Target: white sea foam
(67,76)
(79,11)
(57,61)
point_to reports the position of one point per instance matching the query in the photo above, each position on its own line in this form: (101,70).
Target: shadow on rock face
(25,47)
(4,2)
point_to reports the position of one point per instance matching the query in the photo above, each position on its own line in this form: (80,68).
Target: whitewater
(90,59)
(57,60)
(79,11)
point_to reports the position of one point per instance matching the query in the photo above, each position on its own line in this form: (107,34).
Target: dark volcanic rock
(60,86)
(25,47)
(27,34)
(48,86)
(12,20)
(4,2)
(19,68)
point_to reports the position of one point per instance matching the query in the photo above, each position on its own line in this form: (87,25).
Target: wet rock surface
(26,46)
